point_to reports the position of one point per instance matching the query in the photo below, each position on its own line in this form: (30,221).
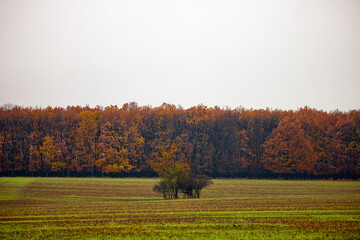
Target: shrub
(190,185)
(163,188)
(193,184)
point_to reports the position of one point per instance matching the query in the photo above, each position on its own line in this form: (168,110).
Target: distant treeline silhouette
(218,142)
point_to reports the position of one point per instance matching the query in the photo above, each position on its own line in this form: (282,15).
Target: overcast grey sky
(253,53)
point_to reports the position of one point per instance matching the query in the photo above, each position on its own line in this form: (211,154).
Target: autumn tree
(347,148)
(48,152)
(172,167)
(2,155)
(288,152)
(175,174)
(114,162)
(114,150)
(199,135)
(258,124)
(86,142)
(34,160)
(233,152)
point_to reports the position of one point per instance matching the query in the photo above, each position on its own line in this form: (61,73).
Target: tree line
(136,140)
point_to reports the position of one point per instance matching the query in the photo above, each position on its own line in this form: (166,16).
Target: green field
(104,208)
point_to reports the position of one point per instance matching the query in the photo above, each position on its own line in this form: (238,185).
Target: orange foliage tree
(288,151)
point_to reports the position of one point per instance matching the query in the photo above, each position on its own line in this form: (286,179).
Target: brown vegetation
(128,141)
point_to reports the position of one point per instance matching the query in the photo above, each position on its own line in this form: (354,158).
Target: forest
(133,140)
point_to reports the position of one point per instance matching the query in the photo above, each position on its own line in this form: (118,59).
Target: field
(105,208)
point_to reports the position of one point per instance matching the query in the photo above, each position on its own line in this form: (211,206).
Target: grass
(104,208)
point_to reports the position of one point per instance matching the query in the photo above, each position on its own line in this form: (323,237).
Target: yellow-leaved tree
(173,168)
(114,161)
(49,154)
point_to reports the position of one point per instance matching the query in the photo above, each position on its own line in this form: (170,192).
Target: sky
(279,54)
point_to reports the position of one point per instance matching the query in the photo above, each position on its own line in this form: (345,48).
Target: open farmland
(77,208)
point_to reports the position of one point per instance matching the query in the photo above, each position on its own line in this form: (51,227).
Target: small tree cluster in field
(190,185)
(193,184)
(175,175)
